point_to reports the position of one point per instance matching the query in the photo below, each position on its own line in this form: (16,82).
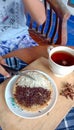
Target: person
(13,29)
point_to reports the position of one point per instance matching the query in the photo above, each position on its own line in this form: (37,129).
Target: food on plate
(32,95)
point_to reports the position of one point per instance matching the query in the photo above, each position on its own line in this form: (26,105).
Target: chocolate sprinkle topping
(28,97)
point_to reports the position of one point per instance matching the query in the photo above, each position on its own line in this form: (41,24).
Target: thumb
(4,72)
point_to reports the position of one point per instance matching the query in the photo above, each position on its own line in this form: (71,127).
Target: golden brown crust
(32,108)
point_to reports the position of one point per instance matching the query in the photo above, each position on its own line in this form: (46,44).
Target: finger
(2,61)
(3,72)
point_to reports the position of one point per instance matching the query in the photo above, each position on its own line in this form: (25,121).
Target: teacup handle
(49,48)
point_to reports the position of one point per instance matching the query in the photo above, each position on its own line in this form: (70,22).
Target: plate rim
(55,89)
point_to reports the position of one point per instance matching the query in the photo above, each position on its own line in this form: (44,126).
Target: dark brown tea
(63,58)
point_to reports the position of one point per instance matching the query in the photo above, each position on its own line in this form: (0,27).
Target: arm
(59,7)
(63,14)
(36,9)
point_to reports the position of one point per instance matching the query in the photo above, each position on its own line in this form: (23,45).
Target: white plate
(23,113)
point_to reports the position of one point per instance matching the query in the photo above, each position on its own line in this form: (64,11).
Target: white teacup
(61,60)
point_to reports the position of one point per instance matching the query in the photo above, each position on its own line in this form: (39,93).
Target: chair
(54,30)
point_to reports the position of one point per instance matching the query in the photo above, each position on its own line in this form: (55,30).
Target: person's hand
(2,70)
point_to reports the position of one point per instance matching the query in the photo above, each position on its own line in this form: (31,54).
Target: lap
(23,41)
